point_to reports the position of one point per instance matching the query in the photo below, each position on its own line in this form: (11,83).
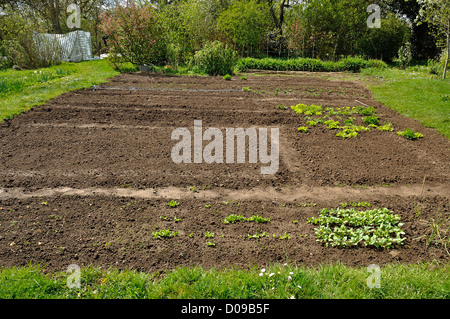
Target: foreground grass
(333,281)
(22,90)
(413,93)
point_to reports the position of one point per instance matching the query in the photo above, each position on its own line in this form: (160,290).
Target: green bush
(134,35)
(216,58)
(404,55)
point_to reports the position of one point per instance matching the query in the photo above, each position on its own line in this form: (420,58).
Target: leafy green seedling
(164,233)
(371,120)
(409,134)
(173,203)
(209,234)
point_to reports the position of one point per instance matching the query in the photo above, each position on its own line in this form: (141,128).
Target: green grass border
(328,281)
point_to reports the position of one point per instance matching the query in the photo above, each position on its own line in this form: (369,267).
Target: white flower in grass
(292,297)
(271,274)
(263,270)
(299,287)
(289,277)
(260,274)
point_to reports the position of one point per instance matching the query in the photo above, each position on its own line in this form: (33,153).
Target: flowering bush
(134,34)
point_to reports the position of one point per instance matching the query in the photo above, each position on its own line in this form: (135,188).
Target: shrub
(404,55)
(21,44)
(216,58)
(134,34)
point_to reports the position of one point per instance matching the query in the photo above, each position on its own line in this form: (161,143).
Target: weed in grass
(438,232)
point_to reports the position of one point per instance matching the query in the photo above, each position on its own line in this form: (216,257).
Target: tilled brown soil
(86,177)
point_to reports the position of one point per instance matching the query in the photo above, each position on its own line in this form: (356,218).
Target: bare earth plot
(86,178)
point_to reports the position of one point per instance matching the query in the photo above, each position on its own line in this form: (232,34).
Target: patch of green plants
(410,134)
(281,107)
(307,109)
(243,77)
(311,123)
(355,204)
(371,120)
(233,218)
(349,227)
(257,235)
(227,77)
(332,124)
(164,233)
(302,129)
(438,232)
(282,237)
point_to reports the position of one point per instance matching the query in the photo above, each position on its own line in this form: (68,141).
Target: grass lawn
(413,93)
(333,281)
(22,90)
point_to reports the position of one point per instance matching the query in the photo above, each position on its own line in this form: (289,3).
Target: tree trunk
(54,16)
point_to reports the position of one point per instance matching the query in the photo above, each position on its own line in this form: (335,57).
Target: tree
(423,42)
(437,13)
(245,23)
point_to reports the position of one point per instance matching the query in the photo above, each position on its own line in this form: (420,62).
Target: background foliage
(172,31)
